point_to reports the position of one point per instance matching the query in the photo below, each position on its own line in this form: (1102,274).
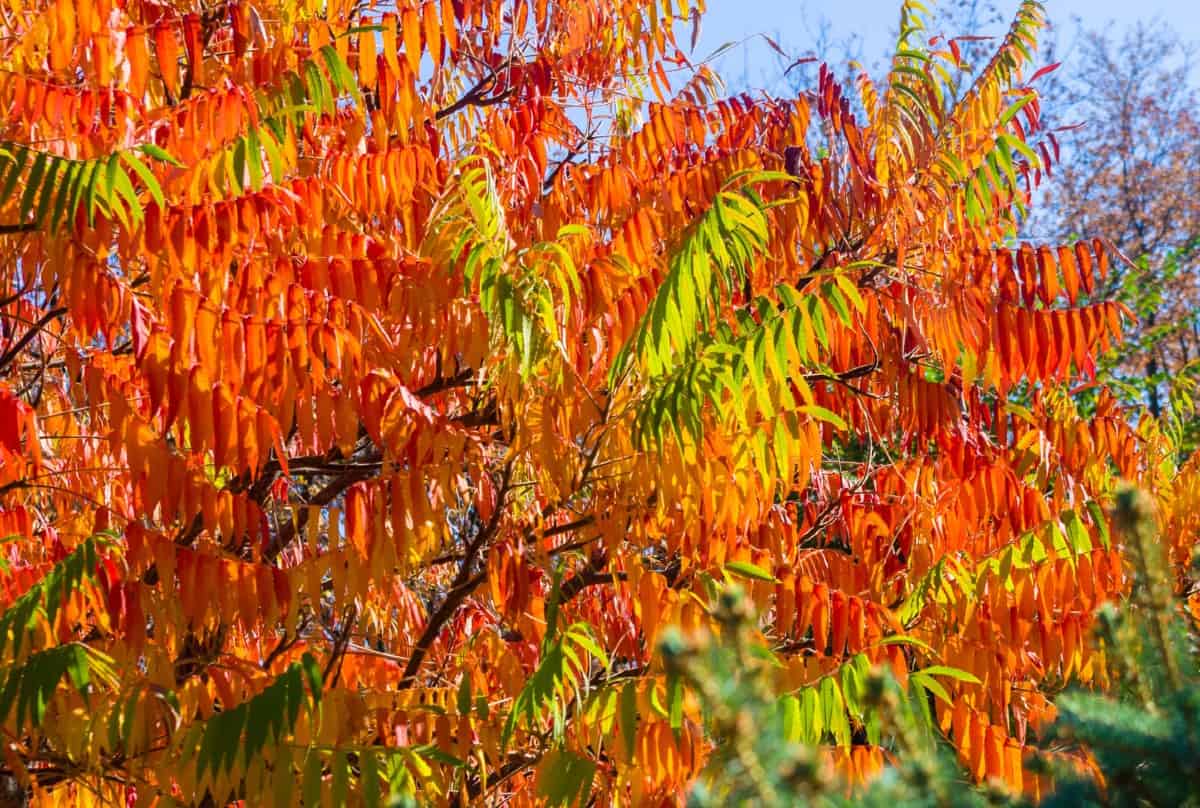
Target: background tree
(1130,176)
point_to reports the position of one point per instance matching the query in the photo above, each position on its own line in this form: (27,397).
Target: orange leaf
(167,49)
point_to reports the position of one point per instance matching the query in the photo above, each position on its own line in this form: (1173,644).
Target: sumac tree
(377,383)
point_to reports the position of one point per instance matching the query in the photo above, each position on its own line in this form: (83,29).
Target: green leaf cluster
(318,86)
(53,188)
(766,745)
(30,679)
(757,364)
(30,685)
(562,676)
(705,270)
(521,291)
(243,731)
(42,602)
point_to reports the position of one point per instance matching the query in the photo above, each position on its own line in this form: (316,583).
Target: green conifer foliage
(1144,735)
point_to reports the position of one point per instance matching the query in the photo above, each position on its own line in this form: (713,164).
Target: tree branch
(464,584)
(478,96)
(28,336)
(588,577)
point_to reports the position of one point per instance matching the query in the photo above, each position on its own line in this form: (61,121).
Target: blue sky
(794,25)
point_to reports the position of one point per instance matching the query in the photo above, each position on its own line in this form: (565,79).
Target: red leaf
(140,328)
(775,46)
(1044,71)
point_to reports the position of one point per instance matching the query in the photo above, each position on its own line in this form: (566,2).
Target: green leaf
(312,672)
(838,302)
(932,685)
(1101,522)
(628,717)
(66,186)
(8,168)
(263,714)
(48,187)
(851,689)
(744,569)
(231,732)
(572,230)
(254,158)
(341,74)
(77,668)
(435,753)
(1081,542)
(160,154)
(1016,107)
(340,767)
(812,717)
(32,184)
(850,289)
(10,181)
(274,158)
(822,414)
(369,778)
(359,29)
(317,89)
(951,673)
(789,708)
(239,162)
(313,769)
(80,182)
(147,177)
(557,679)
(834,708)
(565,778)
(464,694)
(675,700)
(119,181)
(906,639)
(91,199)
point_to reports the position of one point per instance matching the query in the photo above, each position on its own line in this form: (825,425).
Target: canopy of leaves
(418,364)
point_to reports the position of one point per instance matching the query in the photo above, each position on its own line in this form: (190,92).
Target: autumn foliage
(378,384)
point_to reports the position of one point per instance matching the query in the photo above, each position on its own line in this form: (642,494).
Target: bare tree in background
(1132,176)
(1130,172)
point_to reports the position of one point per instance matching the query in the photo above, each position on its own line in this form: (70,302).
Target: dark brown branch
(334,489)
(28,336)
(340,642)
(454,598)
(488,416)
(463,378)
(853,373)
(517,763)
(567,527)
(845,378)
(464,584)
(567,160)
(481,95)
(589,577)
(285,644)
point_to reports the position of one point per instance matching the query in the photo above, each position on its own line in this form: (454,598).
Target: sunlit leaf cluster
(380,382)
